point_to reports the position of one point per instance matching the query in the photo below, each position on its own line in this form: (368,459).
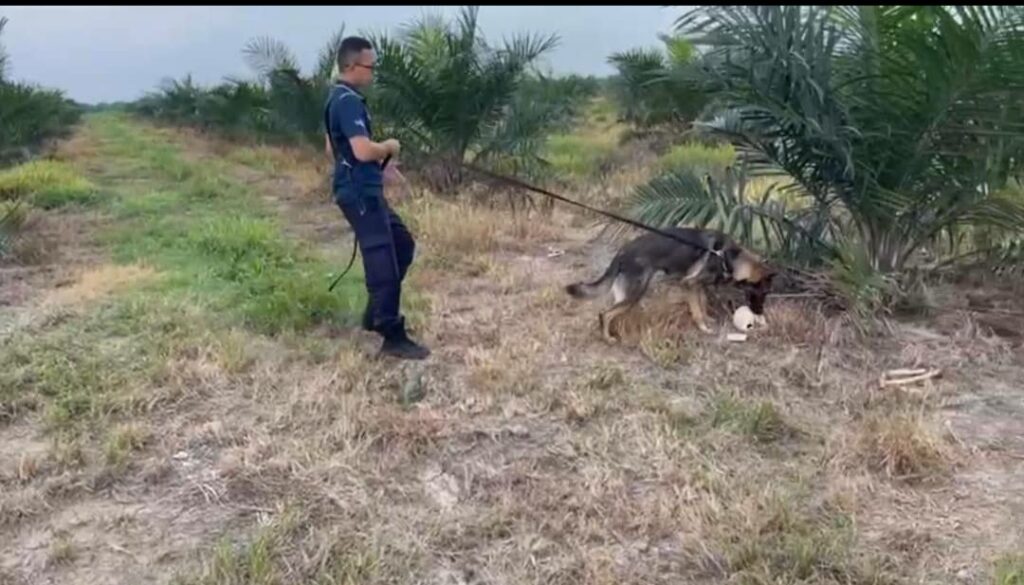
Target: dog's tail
(589,290)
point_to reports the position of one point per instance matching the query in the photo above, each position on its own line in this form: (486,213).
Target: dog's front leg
(696,300)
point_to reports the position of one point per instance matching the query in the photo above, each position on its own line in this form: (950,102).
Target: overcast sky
(110,53)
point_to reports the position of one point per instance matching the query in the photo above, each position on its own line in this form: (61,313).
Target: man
(387,246)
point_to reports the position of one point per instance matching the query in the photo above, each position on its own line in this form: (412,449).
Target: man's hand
(393,146)
(396,186)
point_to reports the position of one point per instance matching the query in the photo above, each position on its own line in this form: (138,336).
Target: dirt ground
(526,449)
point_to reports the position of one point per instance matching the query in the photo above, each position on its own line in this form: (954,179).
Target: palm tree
(655,87)
(295,102)
(896,125)
(450,97)
(29,115)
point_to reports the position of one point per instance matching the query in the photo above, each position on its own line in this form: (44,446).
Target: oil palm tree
(896,125)
(294,101)
(655,86)
(451,97)
(29,115)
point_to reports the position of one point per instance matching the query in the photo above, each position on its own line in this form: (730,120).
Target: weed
(783,544)
(697,157)
(62,549)
(52,181)
(262,158)
(1009,570)
(900,447)
(586,151)
(270,559)
(13,215)
(89,368)
(665,350)
(122,441)
(761,422)
(57,197)
(66,451)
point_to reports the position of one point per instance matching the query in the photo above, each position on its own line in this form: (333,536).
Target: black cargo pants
(387,248)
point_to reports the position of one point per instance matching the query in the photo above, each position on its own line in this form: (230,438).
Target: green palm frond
(896,122)
(328,56)
(727,204)
(266,55)
(448,95)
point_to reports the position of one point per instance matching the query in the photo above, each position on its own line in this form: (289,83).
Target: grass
(761,421)
(48,184)
(781,542)
(219,261)
(1009,570)
(94,367)
(123,441)
(698,157)
(528,452)
(277,554)
(44,185)
(12,221)
(62,549)
(582,153)
(900,446)
(218,248)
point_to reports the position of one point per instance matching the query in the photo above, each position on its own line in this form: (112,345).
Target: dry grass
(464,236)
(123,441)
(901,446)
(101,281)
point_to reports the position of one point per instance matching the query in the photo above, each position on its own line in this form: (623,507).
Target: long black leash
(524,185)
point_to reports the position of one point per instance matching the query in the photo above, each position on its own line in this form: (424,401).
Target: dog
(710,258)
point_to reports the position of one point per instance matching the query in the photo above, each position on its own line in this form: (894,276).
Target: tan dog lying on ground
(696,266)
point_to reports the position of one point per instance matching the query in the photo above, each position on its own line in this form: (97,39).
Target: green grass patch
(217,244)
(762,422)
(1009,570)
(95,366)
(277,551)
(13,215)
(783,543)
(46,184)
(698,157)
(122,441)
(257,158)
(583,152)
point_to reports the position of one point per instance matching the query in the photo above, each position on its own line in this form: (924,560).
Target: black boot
(397,344)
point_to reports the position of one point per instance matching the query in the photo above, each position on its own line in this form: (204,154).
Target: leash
(524,185)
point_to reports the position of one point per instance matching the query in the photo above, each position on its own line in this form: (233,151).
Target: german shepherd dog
(714,258)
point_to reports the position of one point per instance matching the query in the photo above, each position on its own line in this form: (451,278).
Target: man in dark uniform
(387,246)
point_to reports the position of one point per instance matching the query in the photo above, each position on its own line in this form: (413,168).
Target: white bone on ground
(743,318)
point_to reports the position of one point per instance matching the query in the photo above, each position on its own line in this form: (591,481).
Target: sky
(113,53)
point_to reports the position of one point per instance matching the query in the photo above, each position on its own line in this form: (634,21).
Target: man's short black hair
(350,49)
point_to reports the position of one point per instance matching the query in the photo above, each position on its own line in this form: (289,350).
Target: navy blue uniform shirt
(346,116)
